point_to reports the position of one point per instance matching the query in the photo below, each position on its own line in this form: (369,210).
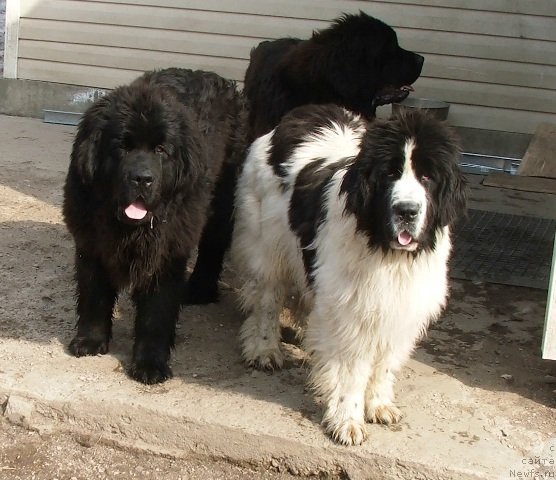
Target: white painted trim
(549,341)
(11,43)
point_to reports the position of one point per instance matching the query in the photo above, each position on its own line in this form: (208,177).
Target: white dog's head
(405,183)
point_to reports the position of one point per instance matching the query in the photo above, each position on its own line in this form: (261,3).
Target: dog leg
(95,303)
(340,379)
(202,286)
(379,395)
(155,327)
(260,333)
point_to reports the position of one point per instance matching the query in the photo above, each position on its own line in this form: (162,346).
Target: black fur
(307,210)
(356,63)
(160,144)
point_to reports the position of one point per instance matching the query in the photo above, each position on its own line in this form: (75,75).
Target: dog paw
(269,359)
(349,432)
(386,414)
(149,372)
(82,346)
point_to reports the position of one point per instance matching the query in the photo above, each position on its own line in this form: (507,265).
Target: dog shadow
(37,260)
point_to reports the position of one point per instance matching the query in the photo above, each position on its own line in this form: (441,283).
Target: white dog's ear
(359,185)
(86,146)
(453,198)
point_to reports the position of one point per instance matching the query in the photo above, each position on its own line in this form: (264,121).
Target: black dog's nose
(143,178)
(406,211)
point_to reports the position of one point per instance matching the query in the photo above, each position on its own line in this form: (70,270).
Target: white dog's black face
(405,184)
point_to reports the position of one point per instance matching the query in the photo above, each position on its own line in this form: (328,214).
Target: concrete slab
(478,400)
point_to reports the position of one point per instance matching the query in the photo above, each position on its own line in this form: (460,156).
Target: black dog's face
(368,67)
(139,182)
(397,74)
(406,185)
(145,162)
(137,150)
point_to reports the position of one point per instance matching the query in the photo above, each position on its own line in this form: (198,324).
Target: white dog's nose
(406,211)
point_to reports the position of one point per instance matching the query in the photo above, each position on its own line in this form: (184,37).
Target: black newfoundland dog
(356,63)
(143,168)
(355,218)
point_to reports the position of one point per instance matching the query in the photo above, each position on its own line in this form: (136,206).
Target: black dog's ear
(453,197)
(86,146)
(190,153)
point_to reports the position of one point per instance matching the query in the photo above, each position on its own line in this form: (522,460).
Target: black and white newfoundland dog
(143,167)
(355,217)
(356,63)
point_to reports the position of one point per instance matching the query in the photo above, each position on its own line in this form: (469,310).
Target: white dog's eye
(425,178)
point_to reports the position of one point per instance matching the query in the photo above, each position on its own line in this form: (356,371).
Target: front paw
(348,432)
(81,346)
(262,356)
(150,372)
(386,414)
(269,361)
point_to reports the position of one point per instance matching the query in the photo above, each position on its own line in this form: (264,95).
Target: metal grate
(502,248)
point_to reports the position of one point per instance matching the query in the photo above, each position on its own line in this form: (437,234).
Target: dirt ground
(27,455)
(488,341)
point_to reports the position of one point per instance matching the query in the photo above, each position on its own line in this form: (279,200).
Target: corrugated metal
(493,60)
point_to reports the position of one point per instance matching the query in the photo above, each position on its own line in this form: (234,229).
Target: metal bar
(62,118)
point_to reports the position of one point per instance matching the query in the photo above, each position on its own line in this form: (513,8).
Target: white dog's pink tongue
(136,211)
(404,238)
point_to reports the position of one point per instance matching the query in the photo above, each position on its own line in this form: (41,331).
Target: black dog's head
(359,63)
(135,147)
(405,185)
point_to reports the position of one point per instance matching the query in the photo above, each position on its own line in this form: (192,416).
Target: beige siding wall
(494,60)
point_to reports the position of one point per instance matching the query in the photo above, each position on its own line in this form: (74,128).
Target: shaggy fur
(354,217)
(356,63)
(143,167)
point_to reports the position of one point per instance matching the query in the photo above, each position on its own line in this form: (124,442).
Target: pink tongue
(404,238)
(136,211)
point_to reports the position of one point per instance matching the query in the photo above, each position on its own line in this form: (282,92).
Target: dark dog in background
(356,63)
(144,164)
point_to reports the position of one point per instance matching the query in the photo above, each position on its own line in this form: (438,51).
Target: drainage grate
(502,248)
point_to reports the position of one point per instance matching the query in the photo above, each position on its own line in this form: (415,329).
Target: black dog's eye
(160,150)
(426,178)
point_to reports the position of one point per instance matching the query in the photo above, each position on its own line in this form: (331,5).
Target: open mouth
(404,241)
(392,94)
(136,210)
